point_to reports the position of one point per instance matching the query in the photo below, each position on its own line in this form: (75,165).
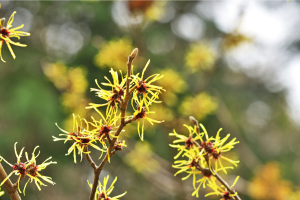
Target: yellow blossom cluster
(102,130)
(172,87)
(72,84)
(143,161)
(103,134)
(114,53)
(28,168)
(200,56)
(201,105)
(204,158)
(268,184)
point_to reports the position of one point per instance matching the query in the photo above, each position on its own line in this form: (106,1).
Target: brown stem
(9,187)
(200,168)
(97,172)
(89,159)
(16,184)
(123,108)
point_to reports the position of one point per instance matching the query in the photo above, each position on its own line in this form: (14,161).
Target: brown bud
(134,53)
(193,120)
(2,22)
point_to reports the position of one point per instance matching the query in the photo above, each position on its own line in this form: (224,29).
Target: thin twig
(89,159)
(16,184)
(9,187)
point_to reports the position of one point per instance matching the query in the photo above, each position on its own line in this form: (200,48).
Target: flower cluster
(200,57)
(29,168)
(107,54)
(102,192)
(81,137)
(115,98)
(8,32)
(204,157)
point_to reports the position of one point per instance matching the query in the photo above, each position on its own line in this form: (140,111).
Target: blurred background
(230,64)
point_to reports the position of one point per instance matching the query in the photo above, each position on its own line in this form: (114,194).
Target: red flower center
(118,146)
(216,155)
(117,94)
(226,196)
(4,32)
(142,87)
(189,143)
(32,170)
(84,140)
(21,167)
(141,114)
(102,197)
(208,146)
(105,130)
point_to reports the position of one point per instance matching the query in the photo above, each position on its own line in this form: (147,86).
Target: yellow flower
(142,113)
(33,171)
(162,112)
(173,83)
(144,160)
(268,178)
(112,97)
(199,106)
(71,80)
(156,10)
(215,146)
(7,32)
(81,136)
(219,147)
(189,141)
(200,56)
(19,167)
(114,54)
(104,127)
(189,166)
(145,87)
(102,192)
(207,177)
(28,168)
(223,192)
(199,149)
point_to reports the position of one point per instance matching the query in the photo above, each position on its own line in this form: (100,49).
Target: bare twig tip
(134,53)
(193,120)
(2,21)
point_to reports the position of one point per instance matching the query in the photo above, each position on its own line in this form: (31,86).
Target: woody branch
(10,188)
(123,106)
